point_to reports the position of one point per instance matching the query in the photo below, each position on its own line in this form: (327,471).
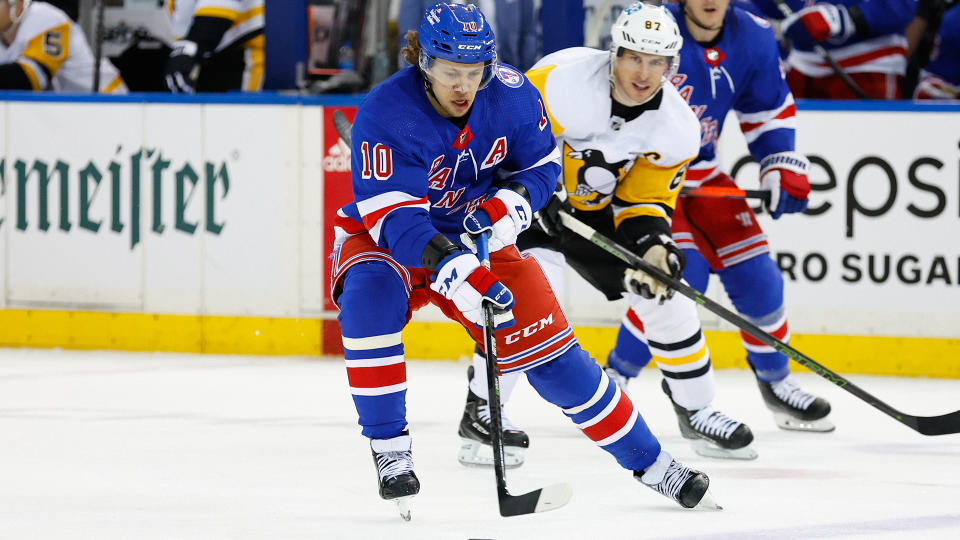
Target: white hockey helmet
(648,29)
(17,9)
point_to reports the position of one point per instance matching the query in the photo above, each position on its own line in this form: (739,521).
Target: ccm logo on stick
(530,330)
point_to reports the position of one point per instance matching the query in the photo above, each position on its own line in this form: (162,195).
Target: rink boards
(202,225)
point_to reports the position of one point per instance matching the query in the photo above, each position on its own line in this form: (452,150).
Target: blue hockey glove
(784,174)
(462,279)
(506,215)
(819,22)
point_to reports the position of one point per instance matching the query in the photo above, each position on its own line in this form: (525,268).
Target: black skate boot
(687,487)
(474,432)
(794,409)
(712,433)
(394,461)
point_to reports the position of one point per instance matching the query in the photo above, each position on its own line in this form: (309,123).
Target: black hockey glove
(182,68)
(548,217)
(659,250)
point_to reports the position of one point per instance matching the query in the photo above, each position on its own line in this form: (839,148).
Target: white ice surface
(106,445)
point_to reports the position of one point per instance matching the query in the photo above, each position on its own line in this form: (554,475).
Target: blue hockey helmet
(457,33)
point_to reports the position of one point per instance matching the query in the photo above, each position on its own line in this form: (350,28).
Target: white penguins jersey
(246,16)
(638,165)
(53,51)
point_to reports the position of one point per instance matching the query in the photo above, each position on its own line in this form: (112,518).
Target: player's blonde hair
(411,51)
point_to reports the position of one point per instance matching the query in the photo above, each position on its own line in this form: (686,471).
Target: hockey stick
(844,76)
(342,125)
(539,500)
(927,425)
(98,54)
(726,193)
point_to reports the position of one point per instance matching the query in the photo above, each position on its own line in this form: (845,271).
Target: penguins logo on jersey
(589,178)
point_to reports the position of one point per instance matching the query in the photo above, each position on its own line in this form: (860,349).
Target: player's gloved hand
(461,278)
(182,70)
(819,22)
(785,175)
(506,214)
(548,217)
(659,250)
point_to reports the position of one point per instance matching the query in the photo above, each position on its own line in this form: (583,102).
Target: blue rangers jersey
(741,72)
(940,79)
(415,173)
(877,46)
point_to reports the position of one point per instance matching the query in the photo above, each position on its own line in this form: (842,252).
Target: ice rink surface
(106,445)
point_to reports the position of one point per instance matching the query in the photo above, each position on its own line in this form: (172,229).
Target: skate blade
(706,448)
(469,455)
(403,505)
(785,421)
(708,503)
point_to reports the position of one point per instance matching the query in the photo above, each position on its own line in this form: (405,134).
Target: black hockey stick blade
(926,425)
(342,125)
(539,500)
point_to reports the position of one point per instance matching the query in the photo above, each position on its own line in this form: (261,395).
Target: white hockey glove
(506,214)
(461,278)
(659,250)
(182,70)
(784,175)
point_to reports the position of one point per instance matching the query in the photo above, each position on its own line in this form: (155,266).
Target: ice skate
(617,377)
(474,433)
(712,433)
(794,409)
(687,487)
(394,460)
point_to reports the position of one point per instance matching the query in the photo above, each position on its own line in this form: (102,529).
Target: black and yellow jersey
(637,165)
(54,54)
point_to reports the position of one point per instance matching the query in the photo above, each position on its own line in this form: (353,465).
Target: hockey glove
(182,68)
(820,22)
(506,214)
(548,217)
(659,250)
(461,278)
(785,175)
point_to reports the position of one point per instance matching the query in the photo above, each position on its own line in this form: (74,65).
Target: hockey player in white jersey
(220,45)
(626,137)
(42,49)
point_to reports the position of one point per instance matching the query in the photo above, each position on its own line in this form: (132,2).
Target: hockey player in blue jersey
(865,37)
(451,147)
(940,79)
(729,62)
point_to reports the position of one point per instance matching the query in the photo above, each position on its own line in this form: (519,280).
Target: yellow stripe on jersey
(50,48)
(31,74)
(114,84)
(647,185)
(255,64)
(249,14)
(682,360)
(539,79)
(219,12)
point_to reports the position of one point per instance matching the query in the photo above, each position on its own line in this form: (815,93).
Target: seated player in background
(451,147)
(940,79)
(42,49)
(220,46)
(865,37)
